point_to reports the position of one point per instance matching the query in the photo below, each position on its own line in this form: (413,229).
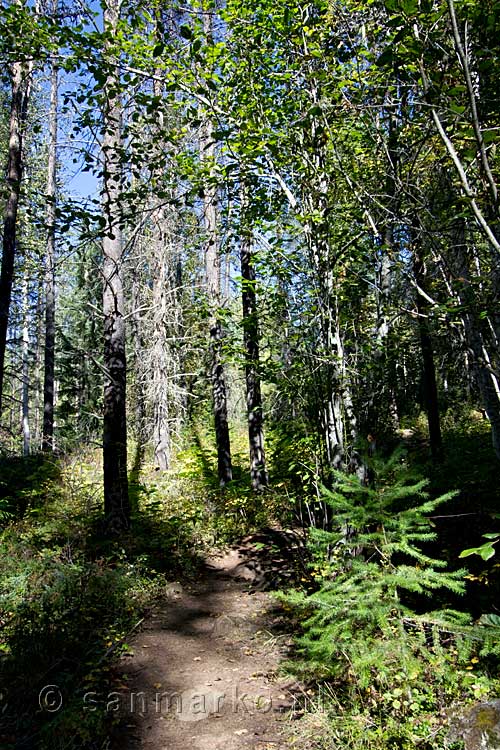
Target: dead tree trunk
(161,361)
(162,364)
(50,291)
(139,399)
(384,368)
(25,390)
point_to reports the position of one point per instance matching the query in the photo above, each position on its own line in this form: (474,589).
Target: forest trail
(203,670)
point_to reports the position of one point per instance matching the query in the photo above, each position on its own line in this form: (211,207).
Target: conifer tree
(116,499)
(20,75)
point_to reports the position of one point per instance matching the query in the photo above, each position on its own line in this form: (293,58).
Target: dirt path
(203,674)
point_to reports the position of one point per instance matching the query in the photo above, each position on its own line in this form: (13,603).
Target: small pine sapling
(359,622)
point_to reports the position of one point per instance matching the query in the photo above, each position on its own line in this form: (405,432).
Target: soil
(203,673)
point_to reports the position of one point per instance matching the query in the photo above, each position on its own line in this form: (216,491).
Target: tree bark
(161,362)
(50,291)
(477,343)
(164,356)
(384,369)
(212,273)
(336,413)
(428,367)
(38,366)
(20,82)
(258,472)
(116,499)
(138,362)
(25,399)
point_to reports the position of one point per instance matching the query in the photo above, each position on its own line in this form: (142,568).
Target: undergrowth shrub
(396,665)
(69,597)
(25,484)
(224,515)
(62,616)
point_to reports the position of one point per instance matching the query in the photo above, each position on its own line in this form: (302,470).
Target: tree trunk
(224,464)
(50,292)
(139,371)
(335,411)
(428,367)
(339,432)
(476,341)
(38,366)
(384,368)
(164,357)
(20,79)
(258,473)
(25,399)
(161,361)
(212,273)
(116,499)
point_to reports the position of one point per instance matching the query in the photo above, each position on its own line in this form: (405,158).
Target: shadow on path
(203,674)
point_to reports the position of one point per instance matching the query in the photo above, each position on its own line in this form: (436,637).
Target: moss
(479,726)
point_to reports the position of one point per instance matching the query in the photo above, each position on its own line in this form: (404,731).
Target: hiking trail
(203,671)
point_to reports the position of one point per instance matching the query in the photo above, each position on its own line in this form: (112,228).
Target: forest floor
(203,672)
(133,659)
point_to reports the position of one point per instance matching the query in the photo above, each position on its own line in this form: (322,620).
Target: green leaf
(469,552)
(386,58)
(409,7)
(486,551)
(490,136)
(490,619)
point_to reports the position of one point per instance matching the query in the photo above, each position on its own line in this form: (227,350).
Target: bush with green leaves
(365,626)
(69,595)
(63,616)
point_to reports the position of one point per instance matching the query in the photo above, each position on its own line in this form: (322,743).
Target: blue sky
(83,183)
